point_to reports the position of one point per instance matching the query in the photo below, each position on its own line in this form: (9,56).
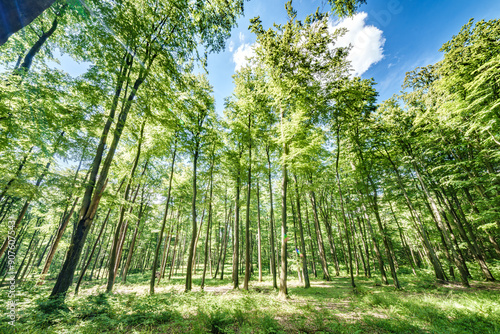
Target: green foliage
(217,321)
(345,7)
(270,325)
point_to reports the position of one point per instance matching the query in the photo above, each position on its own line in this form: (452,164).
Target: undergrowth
(423,306)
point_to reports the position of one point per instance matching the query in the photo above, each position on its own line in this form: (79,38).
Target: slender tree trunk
(209,223)
(473,244)
(189,270)
(166,248)
(247,214)
(375,244)
(385,238)
(33,238)
(134,238)
(271,222)
(121,227)
(362,231)
(63,225)
(283,291)
(341,200)
(31,266)
(40,259)
(296,243)
(177,237)
(195,255)
(319,238)
(236,236)
(302,246)
(441,227)
(158,246)
(259,235)
(311,238)
(403,241)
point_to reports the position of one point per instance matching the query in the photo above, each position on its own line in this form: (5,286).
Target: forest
(128,204)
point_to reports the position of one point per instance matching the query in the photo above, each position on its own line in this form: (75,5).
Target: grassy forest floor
(423,306)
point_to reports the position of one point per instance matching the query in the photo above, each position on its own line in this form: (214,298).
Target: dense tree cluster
(128,168)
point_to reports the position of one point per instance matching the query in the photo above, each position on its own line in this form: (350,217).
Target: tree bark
(134,238)
(283,291)
(209,223)
(189,270)
(158,246)
(259,235)
(28,59)
(236,229)
(271,222)
(303,253)
(84,269)
(114,256)
(319,238)
(247,214)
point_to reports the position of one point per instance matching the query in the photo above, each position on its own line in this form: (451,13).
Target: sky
(389,38)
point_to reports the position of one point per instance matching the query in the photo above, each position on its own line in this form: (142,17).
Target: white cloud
(241,37)
(367,42)
(231,46)
(241,55)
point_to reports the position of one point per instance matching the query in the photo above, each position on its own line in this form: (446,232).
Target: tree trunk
(259,235)
(82,272)
(236,236)
(271,222)
(247,215)
(134,238)
(226,239)
(209,223)
(121,227)
(54,246)
(166,248)
(283,291)
(28,59)
(319,238)
(189,270)
(342,211)
(63,225)
(177,236)
(403,241)
(158,246)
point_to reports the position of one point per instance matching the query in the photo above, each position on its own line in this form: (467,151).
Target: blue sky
(392,37)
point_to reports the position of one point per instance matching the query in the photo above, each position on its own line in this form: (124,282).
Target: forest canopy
(128,171)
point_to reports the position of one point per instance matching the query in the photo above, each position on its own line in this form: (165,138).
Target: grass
(423,306)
